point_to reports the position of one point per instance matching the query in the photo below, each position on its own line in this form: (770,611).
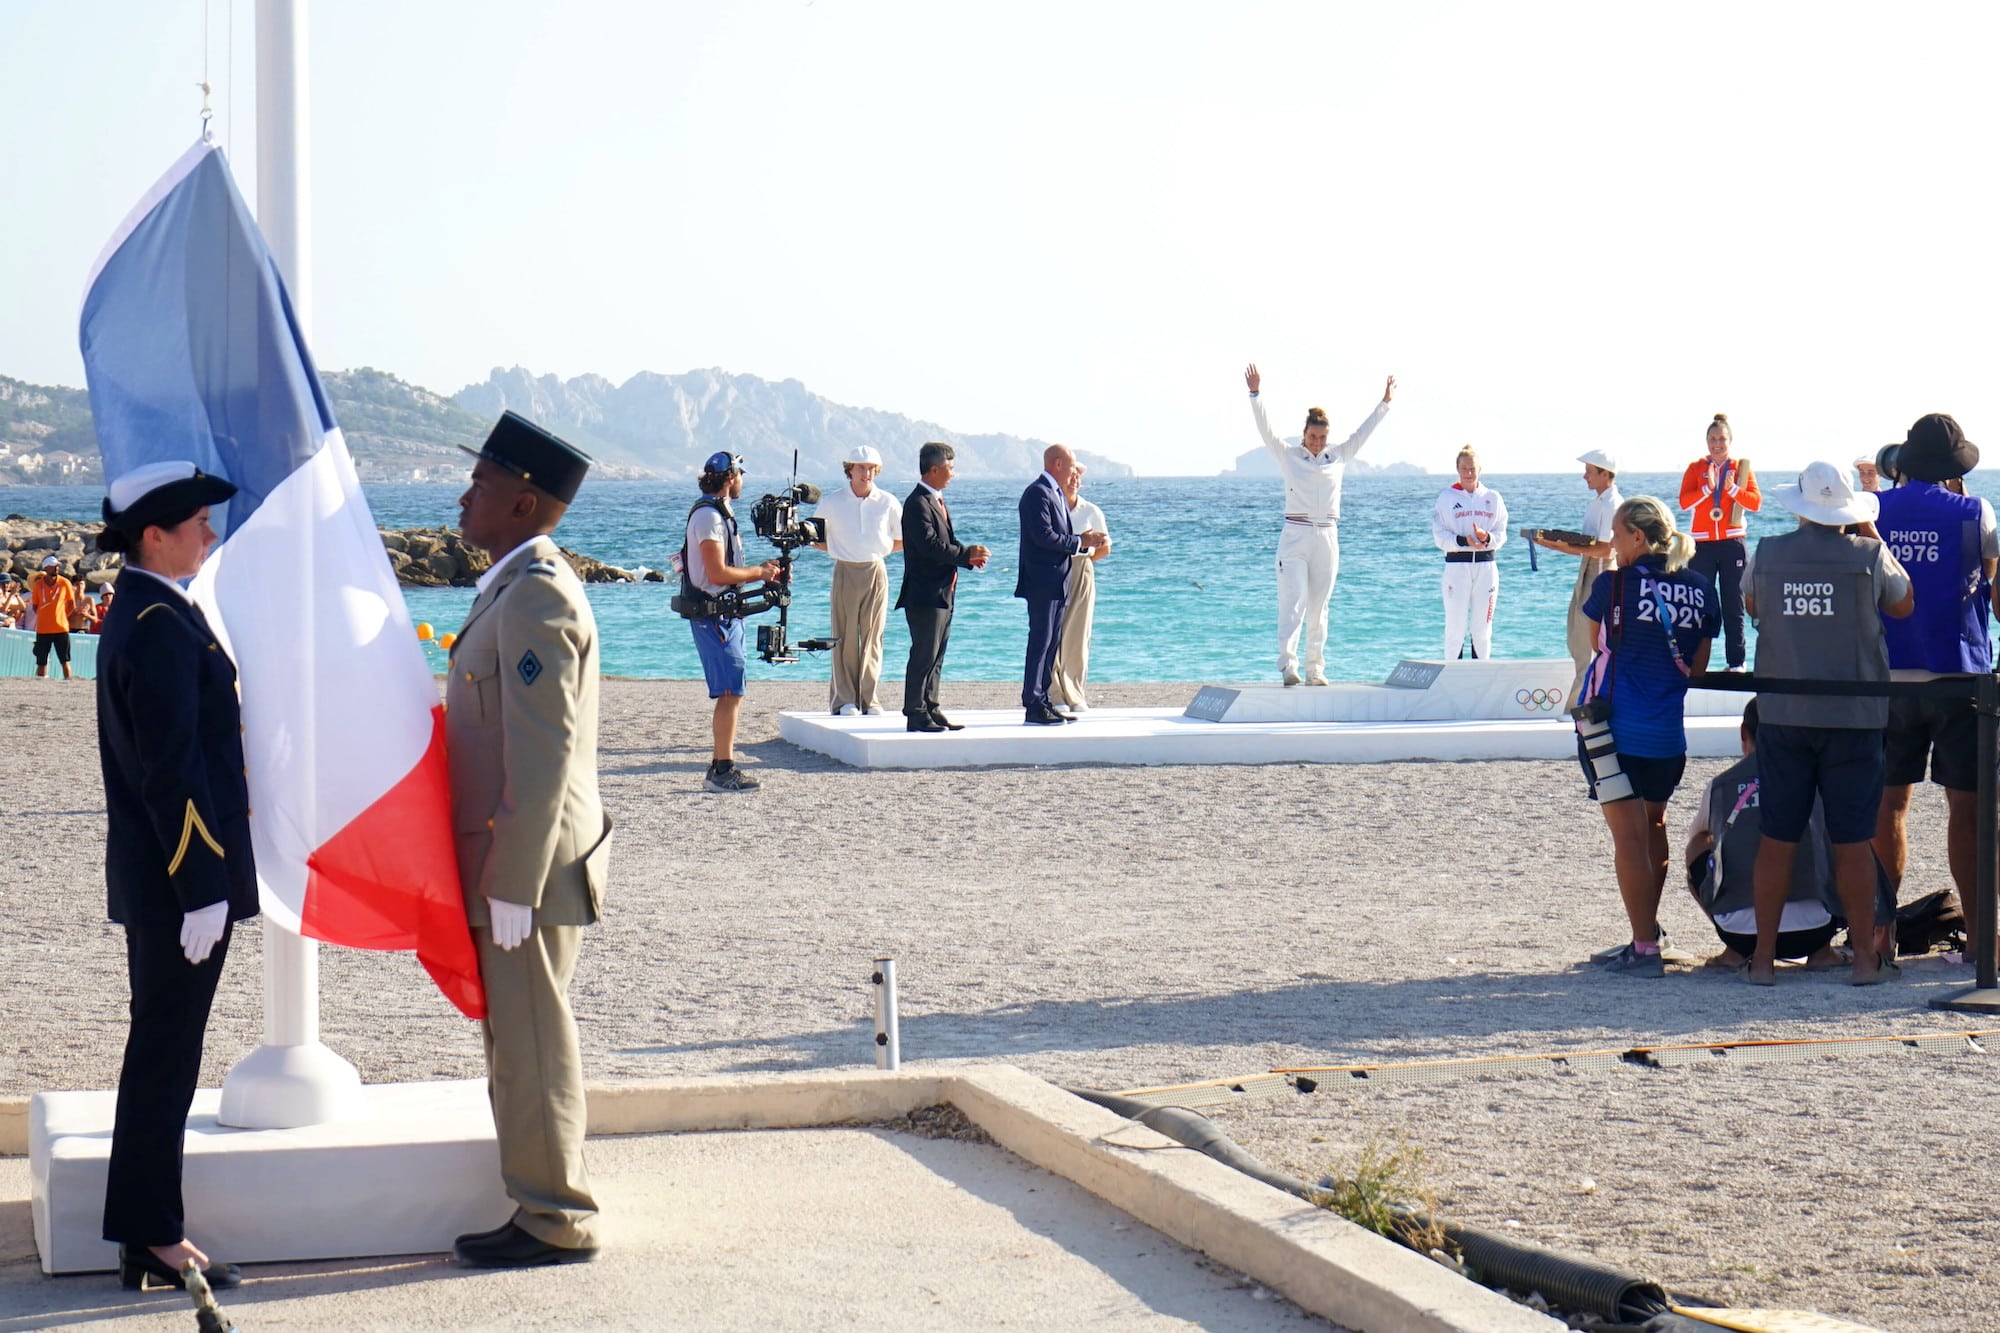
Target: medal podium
(1424,710)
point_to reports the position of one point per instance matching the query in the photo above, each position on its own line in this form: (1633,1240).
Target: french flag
(192,352)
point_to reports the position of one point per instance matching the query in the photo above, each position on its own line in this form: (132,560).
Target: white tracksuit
(1309,546)
(1470,587)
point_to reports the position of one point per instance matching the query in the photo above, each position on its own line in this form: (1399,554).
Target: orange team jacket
(1698,494)
(55,602)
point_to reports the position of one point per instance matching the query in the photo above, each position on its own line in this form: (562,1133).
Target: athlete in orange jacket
(1718,491)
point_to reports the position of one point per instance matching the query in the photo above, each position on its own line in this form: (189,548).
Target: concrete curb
(1322,1262)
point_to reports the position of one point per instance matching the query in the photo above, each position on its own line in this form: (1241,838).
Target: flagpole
(292,1079)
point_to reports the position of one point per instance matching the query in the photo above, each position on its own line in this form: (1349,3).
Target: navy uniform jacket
(1048,540)
(932,555)
(170,735)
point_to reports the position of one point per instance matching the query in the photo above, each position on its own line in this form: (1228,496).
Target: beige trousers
(860,612)
(535,1080)
(1073,652)
(1582,634)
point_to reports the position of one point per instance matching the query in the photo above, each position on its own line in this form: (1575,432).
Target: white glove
(201,929)
(511,922)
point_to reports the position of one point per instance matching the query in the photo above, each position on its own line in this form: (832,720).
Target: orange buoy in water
(424,631)
(445,641)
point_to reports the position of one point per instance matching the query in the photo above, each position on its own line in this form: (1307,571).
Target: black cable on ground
(1581,1285)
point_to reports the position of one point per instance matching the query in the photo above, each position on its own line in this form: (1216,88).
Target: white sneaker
(1079,707)
(872,710)
(1291,676)
(848,710)
(1314,676)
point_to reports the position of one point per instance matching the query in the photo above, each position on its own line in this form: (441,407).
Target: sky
(1561,226)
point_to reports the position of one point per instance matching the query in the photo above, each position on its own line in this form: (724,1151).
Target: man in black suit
(178,863)
(932,557)
(1047,542)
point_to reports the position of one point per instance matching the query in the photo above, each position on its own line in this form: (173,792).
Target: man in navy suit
(932,557)
(1047,543)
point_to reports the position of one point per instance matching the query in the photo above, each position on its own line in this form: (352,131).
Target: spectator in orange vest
(1718,490)
(54,601)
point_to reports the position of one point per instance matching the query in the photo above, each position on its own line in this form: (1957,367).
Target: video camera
(776,519)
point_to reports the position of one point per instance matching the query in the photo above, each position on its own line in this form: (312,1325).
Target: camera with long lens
(1609,781)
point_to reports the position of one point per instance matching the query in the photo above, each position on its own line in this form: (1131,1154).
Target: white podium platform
(416,1169)
(1435,710)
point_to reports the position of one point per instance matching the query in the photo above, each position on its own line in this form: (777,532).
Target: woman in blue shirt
(1656,622)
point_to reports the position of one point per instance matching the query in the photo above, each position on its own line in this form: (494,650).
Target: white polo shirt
(860,527)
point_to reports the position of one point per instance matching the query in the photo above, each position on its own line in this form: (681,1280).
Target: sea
(1188,593)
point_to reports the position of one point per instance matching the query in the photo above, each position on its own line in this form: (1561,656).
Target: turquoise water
(1189,591)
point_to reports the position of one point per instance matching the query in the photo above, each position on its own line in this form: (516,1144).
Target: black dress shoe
(511,1247)
(946,722)
(137,1264)
(1044,717)
(923,724)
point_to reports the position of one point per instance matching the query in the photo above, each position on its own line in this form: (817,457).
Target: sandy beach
(1125,927)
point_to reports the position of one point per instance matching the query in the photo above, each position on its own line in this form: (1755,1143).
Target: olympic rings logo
(1539,701)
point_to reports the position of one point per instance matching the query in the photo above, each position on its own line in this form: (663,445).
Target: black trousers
(170,1003)
(1723,561)
(1044,634)
(930,633)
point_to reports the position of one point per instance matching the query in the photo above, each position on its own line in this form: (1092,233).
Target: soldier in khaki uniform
(533,841)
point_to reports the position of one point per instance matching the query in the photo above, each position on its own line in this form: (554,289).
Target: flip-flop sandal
(1720,966)
(1843,958)
(1753,979)
(1884,971)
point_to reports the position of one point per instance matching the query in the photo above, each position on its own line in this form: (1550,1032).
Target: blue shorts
(1843,765)
(720,643)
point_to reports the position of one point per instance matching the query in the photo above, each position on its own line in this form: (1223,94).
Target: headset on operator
(775,518)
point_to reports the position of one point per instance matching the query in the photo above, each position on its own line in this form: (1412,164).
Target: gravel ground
(1124,927)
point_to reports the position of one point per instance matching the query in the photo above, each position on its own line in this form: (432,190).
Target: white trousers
(1470,589)
(1308,563)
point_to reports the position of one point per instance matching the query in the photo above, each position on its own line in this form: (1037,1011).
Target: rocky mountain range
(652,425)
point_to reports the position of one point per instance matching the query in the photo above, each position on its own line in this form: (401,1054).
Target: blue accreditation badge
(530,668)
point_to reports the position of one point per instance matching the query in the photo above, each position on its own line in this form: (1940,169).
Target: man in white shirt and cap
(1600,474)
(863,525)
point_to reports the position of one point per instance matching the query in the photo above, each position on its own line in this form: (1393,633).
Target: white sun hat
(1825,493)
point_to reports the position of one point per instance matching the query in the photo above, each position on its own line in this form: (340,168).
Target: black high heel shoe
(136,1263)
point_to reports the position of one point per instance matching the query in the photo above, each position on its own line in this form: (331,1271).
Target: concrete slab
(416,1167)
(1418,691)
(1168,736)
(763,1230)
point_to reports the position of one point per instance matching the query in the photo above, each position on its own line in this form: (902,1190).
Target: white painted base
(1169,736)
(1498,691)
(416,1167)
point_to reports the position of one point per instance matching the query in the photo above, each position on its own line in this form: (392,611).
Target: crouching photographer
(1654,623)
(712,570)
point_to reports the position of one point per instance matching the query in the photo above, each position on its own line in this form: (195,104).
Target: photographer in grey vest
(1814,594)
(1948,544)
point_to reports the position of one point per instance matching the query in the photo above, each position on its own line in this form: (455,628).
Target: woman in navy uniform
(177,860)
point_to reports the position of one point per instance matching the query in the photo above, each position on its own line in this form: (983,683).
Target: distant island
(1259,463)
(652,425)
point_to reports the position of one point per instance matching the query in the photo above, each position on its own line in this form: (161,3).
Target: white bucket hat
(1599,458)
(864,453)
(1825,494)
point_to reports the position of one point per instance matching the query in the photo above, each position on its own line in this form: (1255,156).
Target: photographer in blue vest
(1948,544)
(1814,594)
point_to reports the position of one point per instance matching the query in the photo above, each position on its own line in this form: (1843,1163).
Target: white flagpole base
(287,1087)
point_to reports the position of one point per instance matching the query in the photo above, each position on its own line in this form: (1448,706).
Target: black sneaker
(729,777)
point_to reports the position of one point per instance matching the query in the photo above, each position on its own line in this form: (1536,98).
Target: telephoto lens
(1609,781)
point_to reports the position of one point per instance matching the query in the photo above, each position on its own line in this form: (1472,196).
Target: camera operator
(864,523)
(711,564)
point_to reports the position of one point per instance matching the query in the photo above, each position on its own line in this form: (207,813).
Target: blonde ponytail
(1655,522)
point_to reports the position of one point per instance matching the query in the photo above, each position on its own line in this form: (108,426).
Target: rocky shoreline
(421,557)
